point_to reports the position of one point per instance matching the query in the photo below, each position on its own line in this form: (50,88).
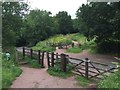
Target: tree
(40,25)
(100,21)
(65,23)
(12,15)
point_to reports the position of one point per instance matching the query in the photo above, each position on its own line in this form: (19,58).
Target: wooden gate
(90,69)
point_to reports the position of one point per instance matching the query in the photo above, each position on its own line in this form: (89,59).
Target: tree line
(99,21)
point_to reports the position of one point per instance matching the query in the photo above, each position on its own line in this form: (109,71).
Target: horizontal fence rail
(85,67)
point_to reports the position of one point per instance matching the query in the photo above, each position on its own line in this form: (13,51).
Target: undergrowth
(82,81)
(56,71)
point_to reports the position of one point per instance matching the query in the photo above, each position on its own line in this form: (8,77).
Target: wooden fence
(90,69)
(84,67)
(38,55)
(55,57)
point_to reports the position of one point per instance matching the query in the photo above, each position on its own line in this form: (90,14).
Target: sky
(54,6)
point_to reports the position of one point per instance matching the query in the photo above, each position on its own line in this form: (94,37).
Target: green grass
(74,50)
(82,81)
(79,38)
(111,81)
(50,44)
(33,63)
(10,68)
(9,73)
(43,47)
(52,71)
(56,71)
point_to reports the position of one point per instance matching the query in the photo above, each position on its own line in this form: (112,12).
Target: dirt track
(39,78)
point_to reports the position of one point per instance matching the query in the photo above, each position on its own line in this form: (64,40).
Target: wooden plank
(102,73)
(48,60)
(39,57)
(95,67)
(99,63)
(52,59)
(76,59)
(89,71)
(42,60)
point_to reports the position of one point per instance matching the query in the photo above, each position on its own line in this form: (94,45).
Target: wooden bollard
(48,60)
(86,68)
(31,53)
(23,52)
(39,57)
(52,59)
(63,62)
(42,60)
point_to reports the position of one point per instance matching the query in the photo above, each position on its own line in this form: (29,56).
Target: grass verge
(9,73)
(52,71)
(74,50)
(112,81)
(56,71)
(82,81)
(33,63)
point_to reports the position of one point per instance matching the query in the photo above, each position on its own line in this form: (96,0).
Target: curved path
(39,78)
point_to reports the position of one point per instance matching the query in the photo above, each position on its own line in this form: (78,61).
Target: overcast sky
(55,6)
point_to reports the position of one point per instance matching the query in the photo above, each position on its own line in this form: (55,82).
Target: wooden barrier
(83,67)
(23,52)
(52,59)
(86,68)
(32,54)
(63,62)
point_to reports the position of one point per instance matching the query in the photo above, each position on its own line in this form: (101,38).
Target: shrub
(9,72)
(43,47)
(111,81)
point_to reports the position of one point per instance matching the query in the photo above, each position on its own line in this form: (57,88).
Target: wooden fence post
(48,60)
(56,55)
(52,59)
(42,60)
(23,52)
(86,68)
(39,57)
(16,55)
(66,46)
(63,62)
(31,53)
(72,45)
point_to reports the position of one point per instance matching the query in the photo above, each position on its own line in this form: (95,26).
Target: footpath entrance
(84,67)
